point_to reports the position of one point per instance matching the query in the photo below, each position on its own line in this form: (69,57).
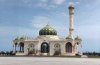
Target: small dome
(69,37)
(16,38)
(71,6)
(47,30)
(78,38)
(22,38)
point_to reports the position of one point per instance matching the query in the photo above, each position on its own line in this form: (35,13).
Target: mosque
(48,43)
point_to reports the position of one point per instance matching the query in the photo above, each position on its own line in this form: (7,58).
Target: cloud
(6,31)
(9,33)
(35,3)
(43,3)
(90,36)
(39,21)
(58,2)
(44,0)
(89,31)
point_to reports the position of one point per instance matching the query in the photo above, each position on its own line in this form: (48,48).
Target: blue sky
(27,17)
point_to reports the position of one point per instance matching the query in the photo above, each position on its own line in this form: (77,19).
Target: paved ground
(48,61)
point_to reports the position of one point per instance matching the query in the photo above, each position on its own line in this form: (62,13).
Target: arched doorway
(57,49)
(45,47)
(68,47)
(21,47)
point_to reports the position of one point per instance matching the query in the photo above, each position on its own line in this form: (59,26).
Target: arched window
(44,47)
(68,47)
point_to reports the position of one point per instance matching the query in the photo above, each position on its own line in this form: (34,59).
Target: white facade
(56,44)
(48,43)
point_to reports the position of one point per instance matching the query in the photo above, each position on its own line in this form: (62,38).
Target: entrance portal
(68,47)
(44,47)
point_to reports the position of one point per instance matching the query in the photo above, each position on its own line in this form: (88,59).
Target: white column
(26,48)
(14,48)
(63,49)
(71,20)
(52,49)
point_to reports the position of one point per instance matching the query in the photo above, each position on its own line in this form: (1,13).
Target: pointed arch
(68,47)
(21,46)
(45,47)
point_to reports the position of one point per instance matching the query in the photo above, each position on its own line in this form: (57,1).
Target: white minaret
(71,20)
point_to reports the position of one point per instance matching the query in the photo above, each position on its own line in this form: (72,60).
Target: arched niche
(57,49)
(45,47)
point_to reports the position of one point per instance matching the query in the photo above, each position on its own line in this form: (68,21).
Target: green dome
(47,30)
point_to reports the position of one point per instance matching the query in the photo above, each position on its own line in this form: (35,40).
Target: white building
(48,43)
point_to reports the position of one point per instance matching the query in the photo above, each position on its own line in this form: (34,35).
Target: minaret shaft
(71,20)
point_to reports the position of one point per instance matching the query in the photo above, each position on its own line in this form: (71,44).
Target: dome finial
(71,3)
(48,23)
